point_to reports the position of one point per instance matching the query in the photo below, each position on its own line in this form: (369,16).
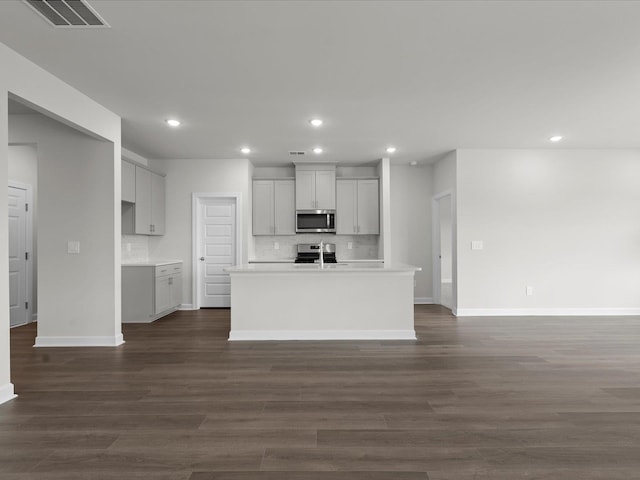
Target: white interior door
(217,250)
(17,257)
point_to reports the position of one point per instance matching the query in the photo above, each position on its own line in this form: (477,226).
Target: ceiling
(426,77)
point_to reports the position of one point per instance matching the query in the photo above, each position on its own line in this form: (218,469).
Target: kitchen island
(360,301)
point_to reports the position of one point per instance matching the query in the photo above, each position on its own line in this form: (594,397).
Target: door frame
(196,206)
(435,242)
(29,246)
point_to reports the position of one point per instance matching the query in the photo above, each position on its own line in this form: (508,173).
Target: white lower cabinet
(150,291)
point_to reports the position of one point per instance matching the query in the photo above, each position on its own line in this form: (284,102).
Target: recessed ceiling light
(245,150)
(391,149)
(317,150)
(555,138)
(315,122)
(413,163)
(172,122)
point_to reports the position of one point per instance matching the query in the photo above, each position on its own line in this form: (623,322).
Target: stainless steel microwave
(315,221)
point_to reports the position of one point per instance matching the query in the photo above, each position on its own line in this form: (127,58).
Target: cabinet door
(143,202)
(176,290)
(158,199)
(368,221)
(326,190)
(163,296)
(284,207)
(128,183)
(346,201)
(305,190)
(263,198)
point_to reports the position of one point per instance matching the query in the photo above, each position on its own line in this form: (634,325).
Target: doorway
(216,234)
(20,206)
(443,249)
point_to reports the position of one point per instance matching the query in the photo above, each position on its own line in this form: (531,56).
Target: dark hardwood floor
(473,398)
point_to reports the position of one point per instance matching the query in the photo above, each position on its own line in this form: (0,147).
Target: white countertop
(150,263)
(369,267)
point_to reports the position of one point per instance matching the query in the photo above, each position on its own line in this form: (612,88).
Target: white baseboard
(186,306)
(423,301)
(559,312)
(6,393)
(251,335)
(34,317)
(79,341)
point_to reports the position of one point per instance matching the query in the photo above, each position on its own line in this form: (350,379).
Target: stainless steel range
(310,252)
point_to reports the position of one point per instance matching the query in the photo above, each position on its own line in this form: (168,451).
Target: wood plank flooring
(473,398)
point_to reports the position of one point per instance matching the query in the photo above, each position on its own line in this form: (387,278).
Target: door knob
(202,259)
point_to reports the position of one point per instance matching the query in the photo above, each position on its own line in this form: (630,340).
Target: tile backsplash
(135,248)
(365,247)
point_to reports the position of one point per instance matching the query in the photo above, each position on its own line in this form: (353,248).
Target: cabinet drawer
(171,269)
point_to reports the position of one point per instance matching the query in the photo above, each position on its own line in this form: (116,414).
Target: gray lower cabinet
(150,292)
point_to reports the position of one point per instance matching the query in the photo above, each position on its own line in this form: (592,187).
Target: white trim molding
(261,335)
(114,341)
(559,312)
(186,306)
(7,393)
(423,301)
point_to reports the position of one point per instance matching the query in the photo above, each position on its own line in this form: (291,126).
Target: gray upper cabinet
(273,207)
(284,207)
(128,182)
(358,207)
(158,200)
(315,187)
(262,212)
(146,214)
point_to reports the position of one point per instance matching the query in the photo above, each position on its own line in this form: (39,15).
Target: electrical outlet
(529,291)
(73,247)
(128,247)
(349,245)
(477,245)
(276,245)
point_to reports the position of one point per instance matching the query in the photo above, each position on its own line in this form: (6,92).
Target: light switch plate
(73,247)
(349,245)
(477,244)
(276,246)
(529,291)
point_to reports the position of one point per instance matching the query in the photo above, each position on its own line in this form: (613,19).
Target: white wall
(444,174)
(185,177)
(411,224)
(566,222)
(43,91)
(74,200)
(23,168)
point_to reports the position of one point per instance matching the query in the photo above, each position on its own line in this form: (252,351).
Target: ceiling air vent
(68,13)
(296,153)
